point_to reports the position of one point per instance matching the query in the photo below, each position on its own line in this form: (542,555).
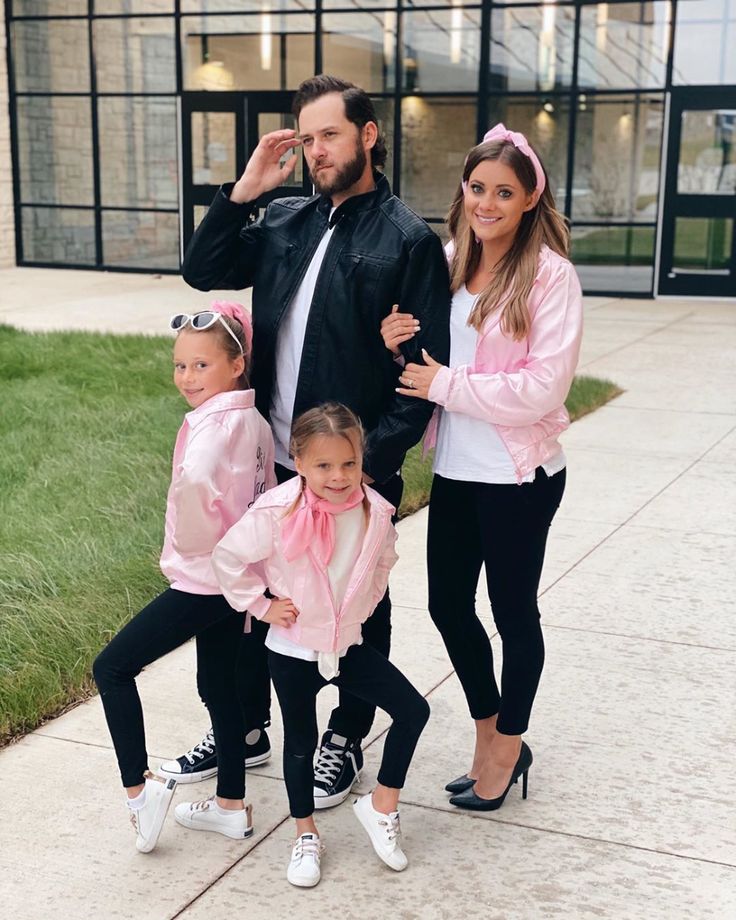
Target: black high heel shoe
(468,799)
(460,784)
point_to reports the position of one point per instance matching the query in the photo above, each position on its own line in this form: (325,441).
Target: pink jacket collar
(232,399)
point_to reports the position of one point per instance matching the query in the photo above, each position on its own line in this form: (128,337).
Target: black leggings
(165,624)
(371,677)
(506,527)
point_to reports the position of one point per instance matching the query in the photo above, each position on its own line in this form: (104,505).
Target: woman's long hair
(515,273)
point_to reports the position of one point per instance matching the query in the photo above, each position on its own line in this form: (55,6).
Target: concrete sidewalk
(631,810)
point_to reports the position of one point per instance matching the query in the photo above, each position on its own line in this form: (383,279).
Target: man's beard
(343,178)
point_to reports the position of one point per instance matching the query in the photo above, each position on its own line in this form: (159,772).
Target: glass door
(698,243)
(219,132)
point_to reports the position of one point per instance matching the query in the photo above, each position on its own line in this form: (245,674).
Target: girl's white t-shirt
(350,528)
(468,448)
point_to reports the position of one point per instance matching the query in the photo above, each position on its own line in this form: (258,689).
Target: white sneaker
(206,816)
(149,820)
(304,871)
(384,831)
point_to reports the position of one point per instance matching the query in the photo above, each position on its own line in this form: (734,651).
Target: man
(325,271)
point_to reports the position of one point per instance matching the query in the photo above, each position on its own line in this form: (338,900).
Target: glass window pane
(277,121)
(705,24)
(617,151)
(135,55)
(134,6)
(532,48)
(138,152)
(213,147)
(42,59)
(385,114)
(140,239)
(55,150)
(62,235)
(253,6)
(624,45)
(367,4)
(441,50)
(436,136)
(362,45)
(265,52)
(703,244)
(546,124)
(199,211)
(614,258)
(50,7)
(707,163)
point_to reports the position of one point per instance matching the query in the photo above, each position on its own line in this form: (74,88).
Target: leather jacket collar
(363,202)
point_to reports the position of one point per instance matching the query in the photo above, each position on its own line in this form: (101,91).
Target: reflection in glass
(617,153)
(250,6)
(385,114)
(362,45)
(441,50)
(545,124)
(624,45)
(62,235)
(213,148)
(614,258)
(532,48)
(55,150)
(135,6)
(705,24)
(266,52)
(42,59)
(707,164)
(140,239)
(49,7)
(703,244)
(138,166)
(135,55)
(436,135)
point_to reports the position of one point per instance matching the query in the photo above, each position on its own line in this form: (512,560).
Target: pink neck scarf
(313,524)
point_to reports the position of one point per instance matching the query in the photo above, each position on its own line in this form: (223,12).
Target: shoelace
(328,763)
(202,805)
(312,848)
(205,746)
(393,827)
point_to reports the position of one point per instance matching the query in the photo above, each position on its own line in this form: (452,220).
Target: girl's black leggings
(165,624)
(505,527)
(369,676)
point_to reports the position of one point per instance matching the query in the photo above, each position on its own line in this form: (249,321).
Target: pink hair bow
(236,311)
(500,132)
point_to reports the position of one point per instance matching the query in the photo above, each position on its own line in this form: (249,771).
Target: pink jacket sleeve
(235,562)
(525,396)
(200,490)
(386,561)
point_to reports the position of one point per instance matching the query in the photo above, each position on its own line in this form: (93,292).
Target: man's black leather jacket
(380,253)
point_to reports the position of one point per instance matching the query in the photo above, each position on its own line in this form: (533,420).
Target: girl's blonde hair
(328,420)
(227,343)
(516,271)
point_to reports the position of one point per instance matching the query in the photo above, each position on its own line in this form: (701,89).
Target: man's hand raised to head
(264,170)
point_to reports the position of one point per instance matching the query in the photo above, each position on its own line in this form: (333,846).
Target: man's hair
(359,108)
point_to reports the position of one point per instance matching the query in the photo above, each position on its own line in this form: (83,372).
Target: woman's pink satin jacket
(250,559)
(223,460)
(521,387)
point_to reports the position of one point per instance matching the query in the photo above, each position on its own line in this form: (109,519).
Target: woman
(515,331)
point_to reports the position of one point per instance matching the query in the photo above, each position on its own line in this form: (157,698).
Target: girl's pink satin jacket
(521,387)
(223,460)
(250,559)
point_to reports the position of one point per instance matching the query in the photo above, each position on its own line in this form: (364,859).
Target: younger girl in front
(323,545)
(223,459)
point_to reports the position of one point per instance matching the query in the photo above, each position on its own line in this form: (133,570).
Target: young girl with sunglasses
(323,545)
(515,332)
(223,460)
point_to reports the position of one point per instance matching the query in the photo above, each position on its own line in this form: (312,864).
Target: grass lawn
(87,427)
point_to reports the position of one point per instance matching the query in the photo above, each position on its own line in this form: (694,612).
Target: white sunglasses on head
(204,320)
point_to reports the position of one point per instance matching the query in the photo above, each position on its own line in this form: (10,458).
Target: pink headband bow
(236,311)
(500,133)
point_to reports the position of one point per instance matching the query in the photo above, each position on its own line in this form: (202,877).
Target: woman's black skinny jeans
(165,624)
(505,527)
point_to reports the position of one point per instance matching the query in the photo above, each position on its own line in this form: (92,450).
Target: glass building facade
(126,115)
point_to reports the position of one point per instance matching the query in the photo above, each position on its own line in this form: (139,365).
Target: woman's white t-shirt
(468,448)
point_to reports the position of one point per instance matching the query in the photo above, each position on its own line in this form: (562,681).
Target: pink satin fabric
(500,132)
(236,311)
(313,524)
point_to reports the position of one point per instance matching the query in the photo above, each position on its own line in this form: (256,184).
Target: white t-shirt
(289,345)
(468,448)
(350,528)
